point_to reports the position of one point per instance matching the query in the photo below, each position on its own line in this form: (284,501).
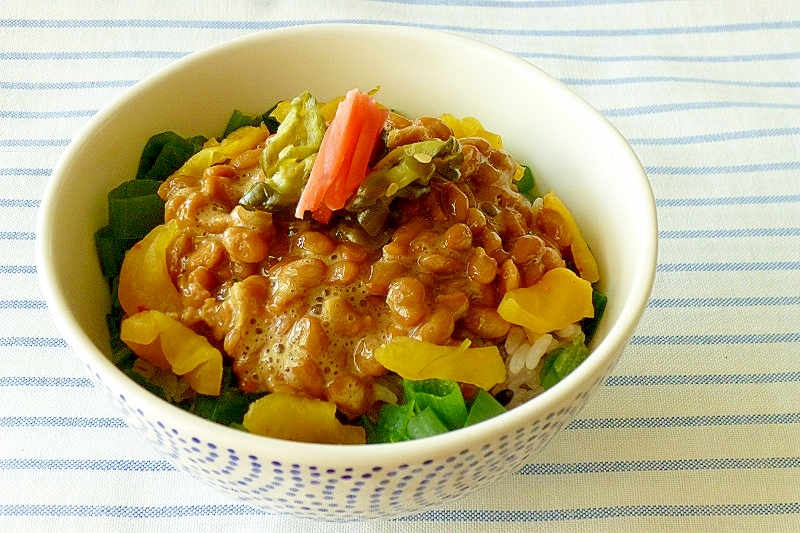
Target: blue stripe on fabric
(715,137)
(729,267)
(660,465)
(19,202)
(31,115)
(701,340)
(33,342)
(17,235)
(25,171)
(126,465)
(130,511)
(34,143)
(23,304)
(611,112)
(61,421)
(438,515)
(596,513)
(540,469)
(578,424)
(673,107)
(44,381)
(627,80)
(17,269)
(704,379)
(730,301)
(684,421)
(649,58)
(523,4)
(166,54)
(777,166)
(65,85)
(541,32)
(729,200)
(73,56)
(728,233)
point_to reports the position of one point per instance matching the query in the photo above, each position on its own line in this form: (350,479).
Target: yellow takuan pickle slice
(144,282)
(471,127)
(581,255)
(290,417)
(235,143)
(558,299)
(158,338)
(416,360)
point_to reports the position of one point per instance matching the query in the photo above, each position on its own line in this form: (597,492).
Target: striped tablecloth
(698,428)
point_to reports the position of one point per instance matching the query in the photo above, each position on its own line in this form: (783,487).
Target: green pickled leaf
(484,406)
(405,172)
(164,153)
(407,168)
(288,158)
(557,364)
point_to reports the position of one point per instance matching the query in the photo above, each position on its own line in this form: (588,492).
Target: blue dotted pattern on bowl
(341,494)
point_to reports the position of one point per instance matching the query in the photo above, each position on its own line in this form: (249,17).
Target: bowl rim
(602,356)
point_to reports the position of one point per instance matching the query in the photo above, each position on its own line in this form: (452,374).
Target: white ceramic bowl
(570,147)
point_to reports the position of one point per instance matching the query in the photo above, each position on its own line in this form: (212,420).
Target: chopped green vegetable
(429,407)
(425,424)
(442,397)
(392,424)
(557,364)
(526,183)
(484,406)
(164,153)
(134,207)
(589,325)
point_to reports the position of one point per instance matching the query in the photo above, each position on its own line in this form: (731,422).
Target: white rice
(538,349)
(523,356)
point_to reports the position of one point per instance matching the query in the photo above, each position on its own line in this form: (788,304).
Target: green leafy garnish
(557,364)
(110,250)
(134,208)
(484,406)
(442,397)
(429,407)
(229,407)
(239,119)
(164,153)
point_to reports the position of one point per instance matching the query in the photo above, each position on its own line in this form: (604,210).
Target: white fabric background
(697,429)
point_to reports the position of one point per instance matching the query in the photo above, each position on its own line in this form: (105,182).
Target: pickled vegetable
(166,343)
(290,417)
(560,298)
